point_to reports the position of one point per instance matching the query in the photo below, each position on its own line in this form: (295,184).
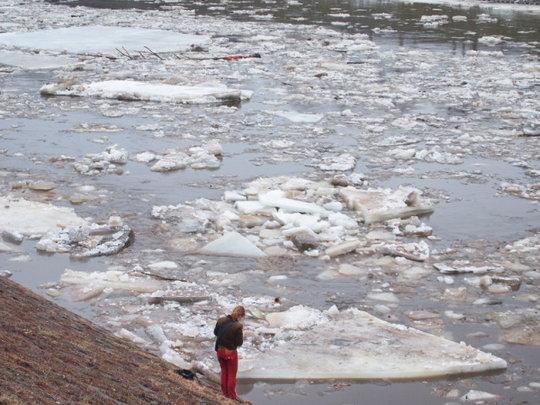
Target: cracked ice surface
(370,348)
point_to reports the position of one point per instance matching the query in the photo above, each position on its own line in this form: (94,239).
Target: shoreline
(51,355)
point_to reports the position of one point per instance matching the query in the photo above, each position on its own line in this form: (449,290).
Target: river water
(433,82)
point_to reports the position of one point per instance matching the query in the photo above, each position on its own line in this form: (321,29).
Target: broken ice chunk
(340,163)
(232,244)
(298,317)
(276,199)
(299,117)
(142,91)
(412,251)
(377,205)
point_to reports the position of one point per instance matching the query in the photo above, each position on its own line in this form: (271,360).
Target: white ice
(377,205)
(353,344)
(297,117)
(35,219)
(232,244)
(101,39)
(143,91)
(34,61)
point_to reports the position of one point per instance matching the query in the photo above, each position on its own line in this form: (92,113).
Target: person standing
(229,336)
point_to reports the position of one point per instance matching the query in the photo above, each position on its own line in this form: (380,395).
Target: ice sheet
(32,218)
(142,91)
(34,61)
(101,39)
(357,345)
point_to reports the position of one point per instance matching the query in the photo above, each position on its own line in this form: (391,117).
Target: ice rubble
(35,219)
(101,39)
(353,344)
(142,91)
(206,156)
(300,214)
(104,162)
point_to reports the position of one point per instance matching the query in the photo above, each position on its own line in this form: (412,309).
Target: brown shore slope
(50,355)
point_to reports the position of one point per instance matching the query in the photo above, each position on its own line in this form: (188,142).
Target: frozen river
(337,97)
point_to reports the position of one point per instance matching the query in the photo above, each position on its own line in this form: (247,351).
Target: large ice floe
(34,61)
(297,214)
(141,91)
(35,219)
(94,39)
(353,344)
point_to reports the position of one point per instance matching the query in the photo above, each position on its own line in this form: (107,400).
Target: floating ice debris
(475,395)
(95,127)
(353,344)
(126,334)
(87,241)
(101,39)
(164,265)
(34,61)
(5,247)
(197,157)
(384,296)
(277,199)
(343,248)
(377,205)
(526,245)
(520,326)
(464,267)
(339,163)
(143,91)
(166,347)
(12,237)
(528,191)
(298,317)
(35,219)
(90,285)
(41,186)
(232,244)
(104,162)
(490,40)
(299,117)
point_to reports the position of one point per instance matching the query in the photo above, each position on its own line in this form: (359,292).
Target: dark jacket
(233,336)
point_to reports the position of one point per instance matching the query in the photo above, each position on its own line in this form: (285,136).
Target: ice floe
(353,344)
(144,91)
(35,219)
(101,39)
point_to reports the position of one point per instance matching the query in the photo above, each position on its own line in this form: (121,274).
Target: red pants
(228,360)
